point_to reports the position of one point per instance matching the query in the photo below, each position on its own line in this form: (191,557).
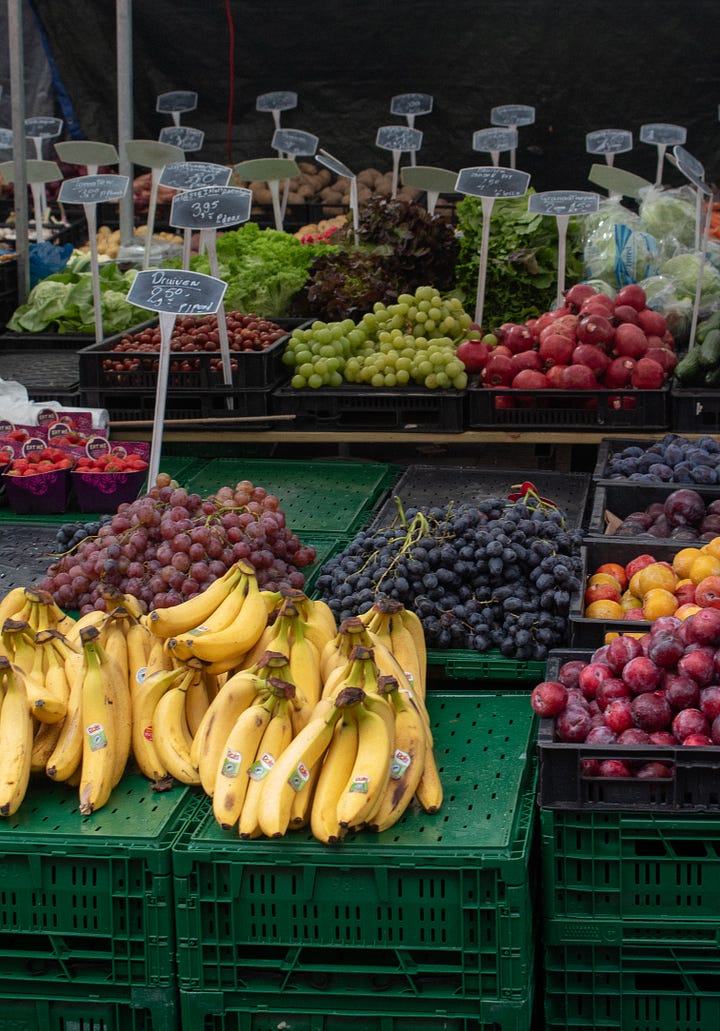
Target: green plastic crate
(491,666)
(603,867)
(326,496)
(231,1011)
(36,1006)
(437,907)
(88,899)
(669,987)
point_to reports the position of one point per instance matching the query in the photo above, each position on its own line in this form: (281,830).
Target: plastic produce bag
(616,249)
(47,258)
(669,216)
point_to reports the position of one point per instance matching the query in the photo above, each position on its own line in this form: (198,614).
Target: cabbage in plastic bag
(670,216)
(616,248)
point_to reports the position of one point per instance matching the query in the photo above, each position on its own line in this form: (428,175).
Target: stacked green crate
(428,925)
(87,927)
(630,895)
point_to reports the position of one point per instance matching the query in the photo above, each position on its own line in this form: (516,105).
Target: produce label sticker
(6,139)
(193,175)
(564,202)
(489,181)
(182,136)
(512,114)
(294,141)
(177,292)
(495,140)
(401,761)
(399,138)
(95,447)
(33,444)
(231,764)
(96,736)
(262,766)
(5,427)
(140,675)
(43,128)
(360,785)
(279,100)
(93,189)
(411,104)
(176,101)
(211,207)
(48,416)
(608,141)
(299,777)
(663,133)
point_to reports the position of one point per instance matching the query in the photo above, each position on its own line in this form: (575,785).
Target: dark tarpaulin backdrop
(584,66)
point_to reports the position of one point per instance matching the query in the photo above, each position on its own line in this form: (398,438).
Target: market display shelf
(609,877)
(694,409)
(349,407)
(438,908)
(88,900)
(621,499)
(326,1011)
(632,988)
(490,408)
(36,1006)
(484,667)
(333,497)
(430,486)
(326,545)
(25,554)
(693,788)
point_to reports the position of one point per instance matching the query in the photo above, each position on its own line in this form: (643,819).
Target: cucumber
(712,322)
(709,350)
(712,377)
(687,370)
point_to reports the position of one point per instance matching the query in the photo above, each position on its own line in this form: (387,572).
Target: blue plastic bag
(46,258)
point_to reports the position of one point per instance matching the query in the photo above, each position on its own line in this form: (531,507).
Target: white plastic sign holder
(38,129)
(689,166)
(495,141)
(170,293)
(411,105)
(154,155)
(38,174)
(398,139)
(275,102)
(488,182)
(175,103)
(91,190)
(338,168)
(193,175)
(512,115)
(433,180)
(562,205)
(608,142)
(662,135)
(292,143)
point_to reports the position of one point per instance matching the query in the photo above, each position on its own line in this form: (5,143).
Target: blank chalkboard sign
(608,141)
(279,100)
(564,202)
(177,292)
(294,141)
(491,140)
(489,181)
(512,114)
(192,175)
(182,136)
(211,207)
(176,100)
(398,137)
(93,189)
(411,104)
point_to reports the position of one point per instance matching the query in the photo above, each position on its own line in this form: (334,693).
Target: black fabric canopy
(583,66)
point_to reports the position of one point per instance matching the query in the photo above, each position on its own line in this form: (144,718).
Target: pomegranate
(625,313)
(578,377)
(554,375)
(576,296)
(473,354)
(529,379)
(593,357)
(630,341)
(555,349)
(596,329)
(516,337)
(647,375)
(665,358)
(619,373)
(632,294)
(527,360)
(653,323)
(498,371)
(599,304)
(614,768)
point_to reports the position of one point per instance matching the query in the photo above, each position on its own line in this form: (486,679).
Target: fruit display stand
(429,924)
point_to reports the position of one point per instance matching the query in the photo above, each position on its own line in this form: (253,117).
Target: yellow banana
(334,774)
(128,602)
(227,611)
(404,650)
(16,741)
(54,616)
(429,791)
(235,640)
(291,773)
(318,613)
(180,619)
(99,740)
(304,664)
(336,652)
(411,621)
(94,618)
(12,604)
(197,701)
(114,644)
(409,752)
(236,760)
(236,695)
(172,737)
(159,656)
(138,641)
(278,735)
(66,756)
(45,738)
(302,801)
(371,769)
(116,678)
(144,700)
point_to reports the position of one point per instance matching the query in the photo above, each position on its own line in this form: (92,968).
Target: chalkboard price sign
(177,292)
(93,189)
(294,141)
(211,207)
(6,139)
(564,202)
(512,114)
(192,175)
(492,140)
(399,138)
(43,128)
(608,141)
(489,181)
(411,104)
(176,101)
(662,133)
(182,136)
(279,100)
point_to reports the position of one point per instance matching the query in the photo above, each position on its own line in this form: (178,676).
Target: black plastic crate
(622,500)
(42,372)
(8,290)
(611,446)
(25,342)
(489,408)
(209,405)
(188,370)
(373,408)
(693,788)
(588,632)
(424,486)
(694,409)
(25,554)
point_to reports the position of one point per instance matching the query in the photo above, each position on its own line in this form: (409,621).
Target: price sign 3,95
(177,292)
